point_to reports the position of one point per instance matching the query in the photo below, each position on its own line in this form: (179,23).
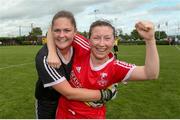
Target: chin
(61,47)
(100,57)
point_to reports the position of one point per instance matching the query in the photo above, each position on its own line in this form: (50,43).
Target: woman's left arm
(151,68)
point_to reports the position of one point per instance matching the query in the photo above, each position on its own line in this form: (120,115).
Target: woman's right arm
(81,94)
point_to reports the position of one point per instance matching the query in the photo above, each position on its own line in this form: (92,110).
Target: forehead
(102,30)
(62,22)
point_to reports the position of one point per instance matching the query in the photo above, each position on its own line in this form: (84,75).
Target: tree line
(35,38)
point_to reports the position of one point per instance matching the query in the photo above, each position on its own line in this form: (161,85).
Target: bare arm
(52,59)
(81,94)
(151,68)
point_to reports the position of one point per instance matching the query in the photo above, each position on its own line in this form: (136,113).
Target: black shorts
(46,109)
(115,48)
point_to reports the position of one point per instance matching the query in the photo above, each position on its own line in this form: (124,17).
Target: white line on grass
(18,65)
(177,47)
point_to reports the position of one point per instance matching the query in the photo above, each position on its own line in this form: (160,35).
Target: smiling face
(63,32)
(101,42)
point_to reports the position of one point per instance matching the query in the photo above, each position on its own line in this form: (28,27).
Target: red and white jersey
(84,75)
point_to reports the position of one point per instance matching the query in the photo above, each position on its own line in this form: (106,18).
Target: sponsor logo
(78,69)
(74,80)
(103,80)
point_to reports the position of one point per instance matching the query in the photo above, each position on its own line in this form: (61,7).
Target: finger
(147,25)
(56,66)
(50,63)
(53,65)
(142,26)
(59,65)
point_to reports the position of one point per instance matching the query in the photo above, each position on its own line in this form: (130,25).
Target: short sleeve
(80,42)
(47,74)
(123,70)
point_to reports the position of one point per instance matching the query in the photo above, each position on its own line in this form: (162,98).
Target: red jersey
(84,75)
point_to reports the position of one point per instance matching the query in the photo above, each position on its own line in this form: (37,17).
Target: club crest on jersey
(103,80)
(78,69)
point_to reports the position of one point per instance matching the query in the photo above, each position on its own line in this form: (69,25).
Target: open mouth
(62,40)
(101,49)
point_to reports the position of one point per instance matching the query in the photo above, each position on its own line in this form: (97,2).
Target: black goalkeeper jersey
(48,76)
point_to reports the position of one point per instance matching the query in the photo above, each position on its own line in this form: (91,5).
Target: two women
(51,82)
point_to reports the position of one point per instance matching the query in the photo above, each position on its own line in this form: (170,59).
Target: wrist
(101,93)
(52,53)
(150,41)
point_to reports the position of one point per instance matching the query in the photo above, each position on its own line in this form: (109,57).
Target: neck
(66,53)
(97,62)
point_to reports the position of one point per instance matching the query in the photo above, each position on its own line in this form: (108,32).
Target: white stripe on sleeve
(53,73)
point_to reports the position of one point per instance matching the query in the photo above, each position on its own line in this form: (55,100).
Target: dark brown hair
(101,23)
(65,14)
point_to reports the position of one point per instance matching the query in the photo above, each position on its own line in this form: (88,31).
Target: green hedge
(141,42)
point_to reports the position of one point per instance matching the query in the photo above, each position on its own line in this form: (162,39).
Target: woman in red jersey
(96,68)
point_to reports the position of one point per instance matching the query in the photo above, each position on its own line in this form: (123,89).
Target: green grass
(149,99)
(17,82)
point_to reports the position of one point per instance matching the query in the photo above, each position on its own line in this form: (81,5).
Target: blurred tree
(160,35)
(33,35)
(134,35)
(36,31)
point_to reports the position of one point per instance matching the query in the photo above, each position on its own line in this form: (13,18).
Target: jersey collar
(111,58)
(62,57)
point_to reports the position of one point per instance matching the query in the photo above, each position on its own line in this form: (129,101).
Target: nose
(61,34)
(101,41)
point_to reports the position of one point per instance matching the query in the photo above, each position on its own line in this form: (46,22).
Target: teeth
(101,49)
(62,40)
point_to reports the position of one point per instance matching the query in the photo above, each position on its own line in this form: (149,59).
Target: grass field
(150,99)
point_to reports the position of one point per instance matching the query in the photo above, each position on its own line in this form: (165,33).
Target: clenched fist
(146,30)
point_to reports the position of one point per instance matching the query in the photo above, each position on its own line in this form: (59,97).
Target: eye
(95,38)
(56,30)
(107,38)
(67,30)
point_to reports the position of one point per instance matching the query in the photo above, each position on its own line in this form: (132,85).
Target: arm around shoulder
(81,94)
